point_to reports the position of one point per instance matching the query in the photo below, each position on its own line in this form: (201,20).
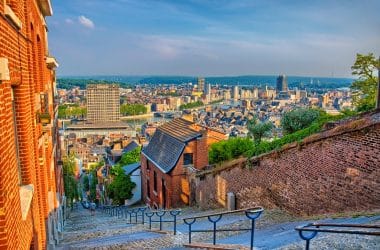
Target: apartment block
(103,103)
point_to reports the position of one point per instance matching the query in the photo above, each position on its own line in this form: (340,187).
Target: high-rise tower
(282,83)
(103,103)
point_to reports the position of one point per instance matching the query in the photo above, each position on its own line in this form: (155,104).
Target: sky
(212,37)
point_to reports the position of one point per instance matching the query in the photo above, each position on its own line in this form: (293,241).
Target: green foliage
(216,101)
(364,88)
(298,119)
(229,149)
(130,157)
(66,111)
(68,83)
(86,184)
(259,129)
(121,187)
(132,109)
(299,135)
(93,183)
(70,182)
(191,105)
(235,147)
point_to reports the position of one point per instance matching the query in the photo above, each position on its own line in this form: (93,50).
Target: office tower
(31,178)
(201,84)
(207,89)
(103,103)
(235,92)
(282,83)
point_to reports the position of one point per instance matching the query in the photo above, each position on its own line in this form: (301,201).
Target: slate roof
(131,146)
(128,169)
(180,129)
(168,143)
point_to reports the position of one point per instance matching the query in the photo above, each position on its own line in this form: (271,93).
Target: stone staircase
(83,231)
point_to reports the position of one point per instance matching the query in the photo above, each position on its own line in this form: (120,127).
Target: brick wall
(338,170)
(33,162)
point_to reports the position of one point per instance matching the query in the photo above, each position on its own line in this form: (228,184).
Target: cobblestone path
(101,231)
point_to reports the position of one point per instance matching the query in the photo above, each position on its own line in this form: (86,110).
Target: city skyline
(132,37)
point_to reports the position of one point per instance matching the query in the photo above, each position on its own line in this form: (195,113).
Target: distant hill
(128,81)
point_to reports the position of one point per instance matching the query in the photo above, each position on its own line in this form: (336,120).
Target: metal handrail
(251,213)
(315,228)
(160,213)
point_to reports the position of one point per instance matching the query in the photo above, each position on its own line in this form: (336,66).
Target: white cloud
(69,21)
(86,22)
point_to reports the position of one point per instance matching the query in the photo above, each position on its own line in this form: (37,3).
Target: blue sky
(212,37)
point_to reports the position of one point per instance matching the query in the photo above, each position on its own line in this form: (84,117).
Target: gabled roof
(164,151)
(129,169)
(168,142)
(131,146)
(180,129)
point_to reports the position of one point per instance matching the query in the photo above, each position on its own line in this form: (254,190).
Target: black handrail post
(252,233)
(214,221)
(253,215)
(189,233)
(175,224)
(307,244)
(142,215)
(214,236)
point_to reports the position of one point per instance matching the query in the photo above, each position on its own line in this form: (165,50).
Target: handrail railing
(136,213)
(126,212)
(160,214)
(315,228)
(251,213)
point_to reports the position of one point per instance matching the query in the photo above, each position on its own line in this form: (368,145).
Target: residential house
(176,148)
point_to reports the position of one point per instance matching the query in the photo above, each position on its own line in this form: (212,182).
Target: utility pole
(378,86)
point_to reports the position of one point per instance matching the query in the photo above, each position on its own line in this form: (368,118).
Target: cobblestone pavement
(273,231)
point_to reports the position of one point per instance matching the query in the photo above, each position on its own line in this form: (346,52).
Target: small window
(155,181)
(187,159)
(147,165)
(147,188)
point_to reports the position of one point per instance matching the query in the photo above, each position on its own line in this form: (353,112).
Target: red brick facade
(172,189)
(27,142)
(335,171)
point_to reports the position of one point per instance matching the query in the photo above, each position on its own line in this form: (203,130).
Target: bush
(230,149)
(298,119)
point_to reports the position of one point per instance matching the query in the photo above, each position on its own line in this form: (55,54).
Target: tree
(121,187)
(365,87)
(93,183)
(86,184)
(132,109)
(259,129)
(298,119)
(69,180)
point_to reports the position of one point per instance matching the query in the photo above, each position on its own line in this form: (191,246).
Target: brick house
(31,185)
(175,148)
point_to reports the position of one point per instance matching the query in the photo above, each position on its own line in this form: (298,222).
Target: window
(147,165)
(155,181)
(187,159)
(147,188)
